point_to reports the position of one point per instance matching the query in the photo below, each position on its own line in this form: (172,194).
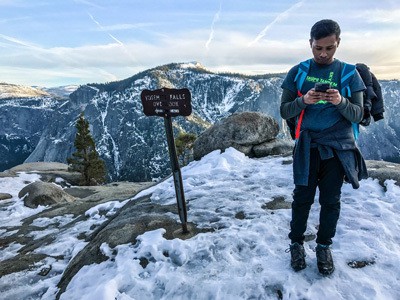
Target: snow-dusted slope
(243,258)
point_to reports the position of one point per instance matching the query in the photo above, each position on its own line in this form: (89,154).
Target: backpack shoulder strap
(348,72)
(301,75)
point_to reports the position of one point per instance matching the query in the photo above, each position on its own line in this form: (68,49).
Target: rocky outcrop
(252,133)
(134,219)
(383,170)
(43,193)
(5,196)
(49,172)
(274,147)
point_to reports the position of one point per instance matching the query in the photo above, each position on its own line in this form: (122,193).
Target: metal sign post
(168,103)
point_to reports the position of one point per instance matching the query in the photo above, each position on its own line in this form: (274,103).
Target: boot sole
(326,272)
(299,268)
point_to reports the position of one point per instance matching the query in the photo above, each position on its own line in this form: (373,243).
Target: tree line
(86,160)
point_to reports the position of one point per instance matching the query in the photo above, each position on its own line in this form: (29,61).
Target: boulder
(43,193)
(240,130)
(383,170)
(5,196)
(274,147)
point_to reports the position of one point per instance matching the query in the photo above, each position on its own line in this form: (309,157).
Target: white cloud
(390,16)
(286,45)
(109,62)
(117,27)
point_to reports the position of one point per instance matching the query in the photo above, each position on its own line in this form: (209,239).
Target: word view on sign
(161,102)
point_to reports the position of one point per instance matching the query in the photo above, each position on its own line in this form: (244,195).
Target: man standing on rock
(325,151)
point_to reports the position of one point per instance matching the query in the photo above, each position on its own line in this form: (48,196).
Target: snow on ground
(16,212)
(243,258)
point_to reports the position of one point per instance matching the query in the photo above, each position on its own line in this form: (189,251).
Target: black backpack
(373,99)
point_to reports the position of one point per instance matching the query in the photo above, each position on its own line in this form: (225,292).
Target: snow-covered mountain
(133,145)
(61,91)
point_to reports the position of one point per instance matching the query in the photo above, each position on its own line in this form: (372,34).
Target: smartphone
(322,87)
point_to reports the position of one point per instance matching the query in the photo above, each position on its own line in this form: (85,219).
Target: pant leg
(303,198)
(331,177)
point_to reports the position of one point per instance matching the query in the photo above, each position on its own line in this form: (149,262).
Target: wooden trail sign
(173,102)
(168,103)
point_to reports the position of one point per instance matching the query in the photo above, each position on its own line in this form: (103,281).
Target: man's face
(324,49)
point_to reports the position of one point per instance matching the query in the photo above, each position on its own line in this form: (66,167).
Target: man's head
(325,28)
(324,40)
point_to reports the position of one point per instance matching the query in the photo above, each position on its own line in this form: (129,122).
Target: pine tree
(184,147)
(86,160)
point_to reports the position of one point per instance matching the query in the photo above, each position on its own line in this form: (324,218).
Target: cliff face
(22,122)
(134,146)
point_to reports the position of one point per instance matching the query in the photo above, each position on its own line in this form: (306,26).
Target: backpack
(373,100)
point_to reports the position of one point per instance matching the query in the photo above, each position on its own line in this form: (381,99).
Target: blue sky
(59,42)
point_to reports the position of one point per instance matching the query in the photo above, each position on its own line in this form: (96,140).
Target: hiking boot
(298,255)
(324,260)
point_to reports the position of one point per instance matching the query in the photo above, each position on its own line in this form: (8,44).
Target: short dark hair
(324,28)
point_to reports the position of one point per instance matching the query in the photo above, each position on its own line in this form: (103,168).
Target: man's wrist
(301,102)
(342,102)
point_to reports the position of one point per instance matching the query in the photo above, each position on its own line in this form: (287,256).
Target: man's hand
(331,95)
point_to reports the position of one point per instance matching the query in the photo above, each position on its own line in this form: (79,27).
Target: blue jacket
(337,139)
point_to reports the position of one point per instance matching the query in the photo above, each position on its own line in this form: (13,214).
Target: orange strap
(298,127)
(297,134)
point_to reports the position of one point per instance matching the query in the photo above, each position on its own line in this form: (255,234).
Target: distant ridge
(8,90)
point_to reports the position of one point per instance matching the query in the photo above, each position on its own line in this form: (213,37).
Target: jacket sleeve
(352,108)
(291,105)
(378,108)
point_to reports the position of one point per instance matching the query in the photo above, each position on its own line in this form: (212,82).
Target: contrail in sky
(87,3)
(279,18)
(114,38)
(19,42)
(102,28)
(215,20)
